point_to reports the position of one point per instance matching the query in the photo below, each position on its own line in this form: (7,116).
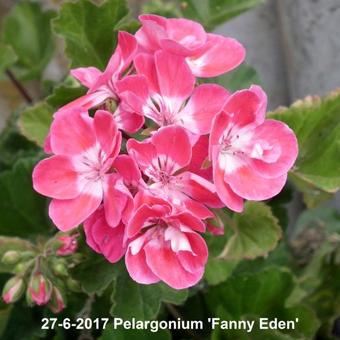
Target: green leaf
(27,30)
(144,301)
(105,272)
(211,13)
(12,243)
(256,232)
(7,57)
(134,334)
(65,93)
(218,270)
(13,145)
(22,210)
(88,30)
(5,313)
(316,122)
(242,77)
(35,121)
(260,294)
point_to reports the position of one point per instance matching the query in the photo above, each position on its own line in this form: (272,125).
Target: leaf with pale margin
(255,233)
(34,122)
(316,123)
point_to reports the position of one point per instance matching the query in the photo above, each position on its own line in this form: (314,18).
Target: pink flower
(80,174)
(39,289)
(207,54)
(104,239)
(251,156)
(163,158)
(165,246)
(161,89)
(68,244)
(102,85)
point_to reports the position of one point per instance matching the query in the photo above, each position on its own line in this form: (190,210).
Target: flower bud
(73,285)
(13,289)
(11,257)
(59,268)
(57,302)
(22,267)
(39,289)
(67,244)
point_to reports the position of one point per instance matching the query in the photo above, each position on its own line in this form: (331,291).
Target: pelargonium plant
(149,155)
(142,178)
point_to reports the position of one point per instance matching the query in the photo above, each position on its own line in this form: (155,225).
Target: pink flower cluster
(207,148)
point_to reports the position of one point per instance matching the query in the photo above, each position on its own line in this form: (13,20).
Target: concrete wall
(294,45)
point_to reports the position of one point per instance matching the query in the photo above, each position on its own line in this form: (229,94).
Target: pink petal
(189,220)
(143,152)
(176,82)
(226,194)
(220,55)
(134,93)
(68,214)
(250,185)
(88,224)
(71,133)
(206,101)
(138,268)
(194,261)
(116,197)
(200,189)
(199,157)
(276,133)
(107,133)
(142,216)
(128,169)
(87,76)
(261,111)
(219,125)
(198,209)
(88,101)
(47,144)
(56,177)
(151,32)
(166,141)
(243,107)
(165,264)
(145,66)
(184,37)
(128,121)
(110,240)
(120,59)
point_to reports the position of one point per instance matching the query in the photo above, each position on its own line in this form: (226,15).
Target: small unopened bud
(27,255)
(13,289)
(39,289)
(59,268)
(73,285)
(21,267)
(67,244)
(57,302)
(11,257)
